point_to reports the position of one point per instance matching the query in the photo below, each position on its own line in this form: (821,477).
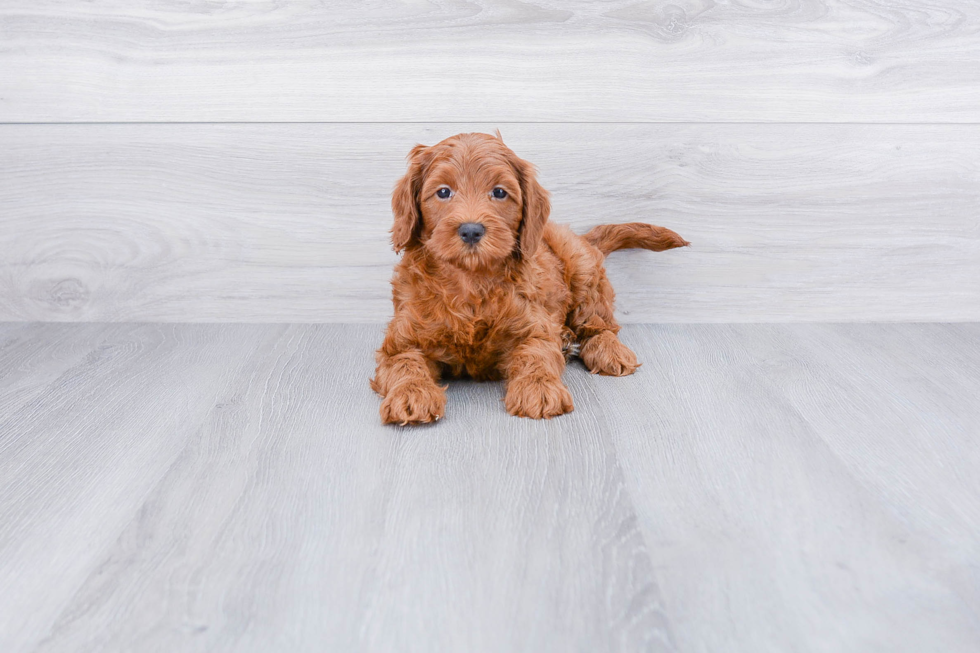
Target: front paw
(538,398)
(604,354)
(413,403)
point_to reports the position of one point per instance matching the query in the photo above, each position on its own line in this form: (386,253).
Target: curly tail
(610,237)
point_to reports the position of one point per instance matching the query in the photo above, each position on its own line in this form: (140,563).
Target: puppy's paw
(413,403)
(537,398)
(604,354)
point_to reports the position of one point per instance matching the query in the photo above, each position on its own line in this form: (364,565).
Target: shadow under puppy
(489,288)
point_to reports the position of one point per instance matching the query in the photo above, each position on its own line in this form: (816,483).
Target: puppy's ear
(405,202)
(499,137)
(535,209)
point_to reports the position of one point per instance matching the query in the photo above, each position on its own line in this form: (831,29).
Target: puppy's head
(470,201)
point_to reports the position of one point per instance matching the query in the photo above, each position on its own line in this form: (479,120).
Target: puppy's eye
(444,193)
(499,193)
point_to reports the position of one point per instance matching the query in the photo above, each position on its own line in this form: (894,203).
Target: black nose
(471,232)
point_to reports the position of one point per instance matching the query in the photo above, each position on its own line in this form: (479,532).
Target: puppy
(489,288)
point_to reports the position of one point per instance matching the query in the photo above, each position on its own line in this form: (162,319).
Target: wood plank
(78,461)
(752,487)
(273,223)
(275,512)
(914,443)
(807,487)
(33,356)
(814,61)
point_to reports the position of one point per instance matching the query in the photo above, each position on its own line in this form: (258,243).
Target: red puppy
(489,288)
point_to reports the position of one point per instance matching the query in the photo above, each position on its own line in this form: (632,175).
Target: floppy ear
(535,209)
(405,202)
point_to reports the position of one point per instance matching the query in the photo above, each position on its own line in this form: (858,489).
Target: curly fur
(515,305)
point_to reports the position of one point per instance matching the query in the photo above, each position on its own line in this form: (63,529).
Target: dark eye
(499,193)
(443,193)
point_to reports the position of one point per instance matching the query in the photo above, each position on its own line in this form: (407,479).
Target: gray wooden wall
(232,161)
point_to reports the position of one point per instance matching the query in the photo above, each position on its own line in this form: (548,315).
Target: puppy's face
(466,201)
(471,204)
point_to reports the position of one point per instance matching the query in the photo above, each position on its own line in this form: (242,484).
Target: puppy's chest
(471,333)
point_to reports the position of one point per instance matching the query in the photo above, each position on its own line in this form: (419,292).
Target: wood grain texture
(267,223)
(685,60)
(133,383)
(752,487)
(32,356)
(832,463)
(224,488)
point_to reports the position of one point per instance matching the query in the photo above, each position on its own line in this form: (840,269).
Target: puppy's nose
(471,232)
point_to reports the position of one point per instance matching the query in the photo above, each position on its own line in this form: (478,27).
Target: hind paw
(605,354)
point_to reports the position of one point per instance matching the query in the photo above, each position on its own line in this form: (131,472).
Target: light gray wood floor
(805,487)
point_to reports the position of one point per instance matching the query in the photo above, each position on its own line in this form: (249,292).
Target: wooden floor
(809,487)
(180,470)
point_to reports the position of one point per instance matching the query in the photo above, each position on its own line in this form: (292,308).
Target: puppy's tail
(610,237)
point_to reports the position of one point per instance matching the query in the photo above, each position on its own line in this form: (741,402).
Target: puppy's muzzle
(471,232)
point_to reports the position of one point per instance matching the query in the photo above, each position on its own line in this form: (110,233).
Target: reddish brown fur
(507,308)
